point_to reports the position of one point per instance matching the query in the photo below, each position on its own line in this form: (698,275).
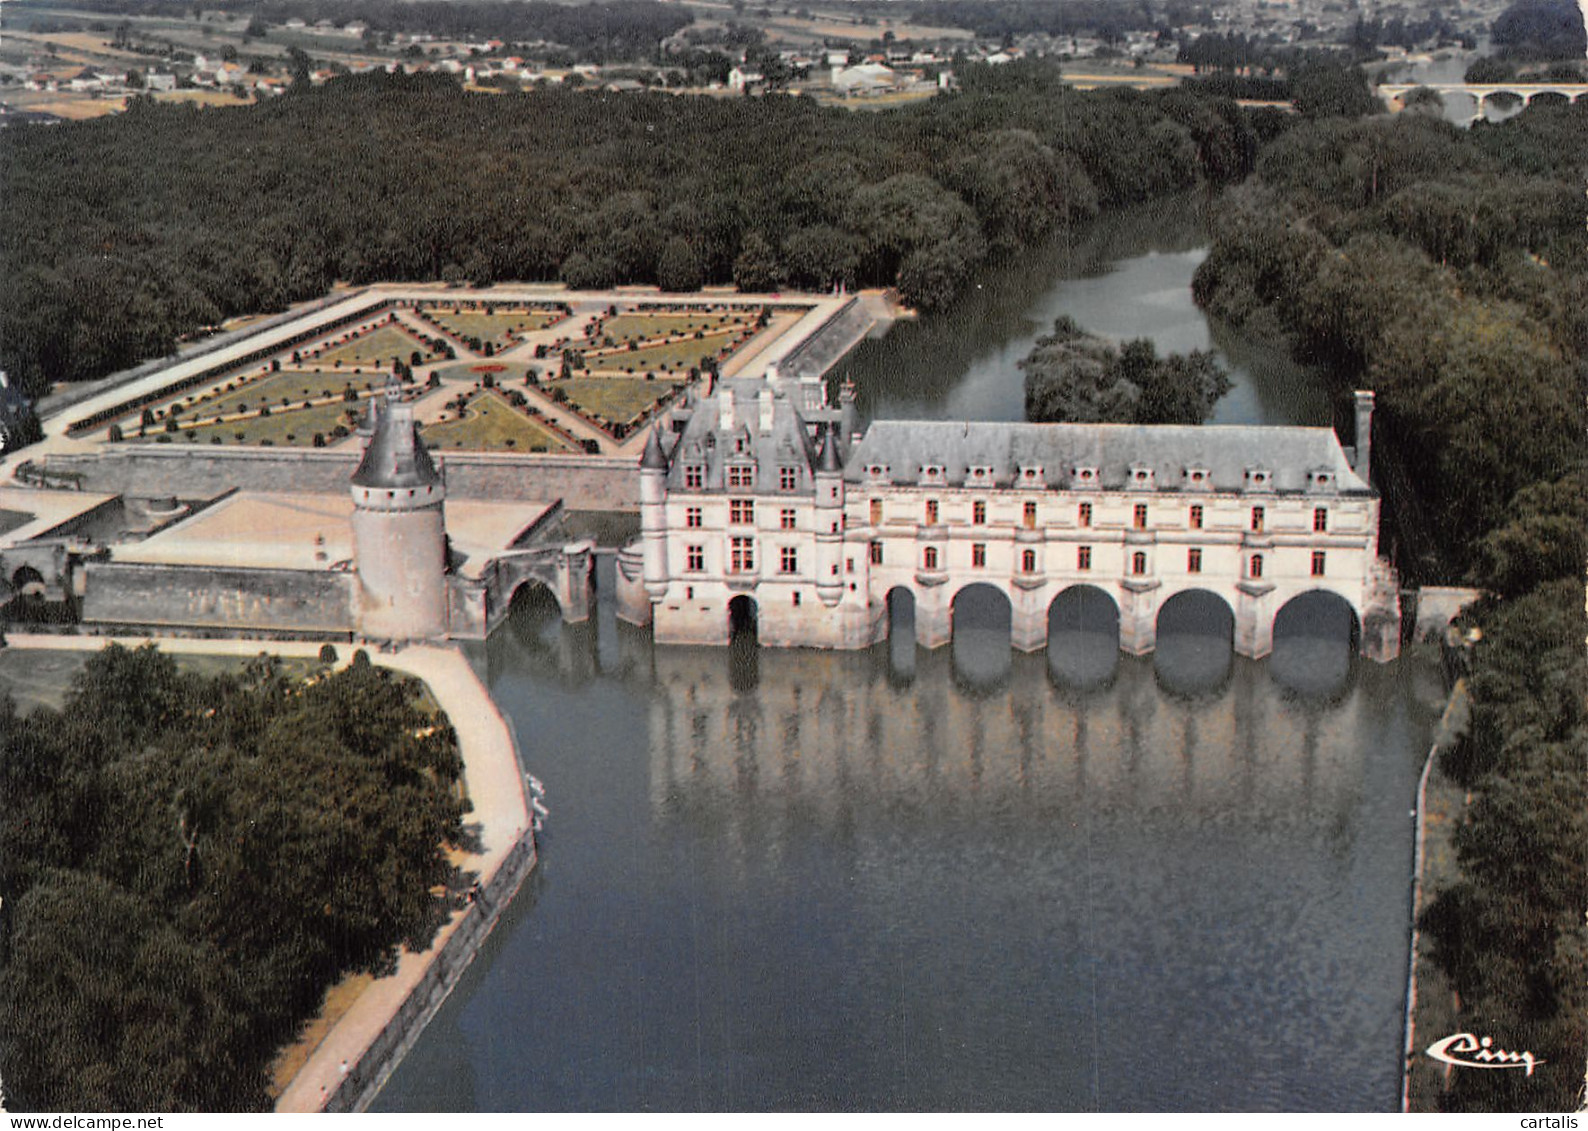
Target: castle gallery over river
(761,502)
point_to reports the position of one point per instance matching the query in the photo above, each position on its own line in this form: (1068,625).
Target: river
(961,879)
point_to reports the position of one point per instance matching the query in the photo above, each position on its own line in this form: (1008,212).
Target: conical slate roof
(654,458)
(829,459)
(395,456)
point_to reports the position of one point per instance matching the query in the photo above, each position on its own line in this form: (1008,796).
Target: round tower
(399,540)
(653,515)
(829,479)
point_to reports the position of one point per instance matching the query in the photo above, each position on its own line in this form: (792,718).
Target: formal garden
(496,421)
(377,347)
(616,405)
(487,325)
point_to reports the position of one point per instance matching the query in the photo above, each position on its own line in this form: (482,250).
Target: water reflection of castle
(821,732)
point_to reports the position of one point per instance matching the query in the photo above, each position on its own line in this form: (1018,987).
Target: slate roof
(1225,451)
(395,456)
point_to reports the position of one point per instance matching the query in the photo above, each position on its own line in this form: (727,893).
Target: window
(1030,515)
(1193,561)
(978,513)
(788,478)
(876,553)
(1317,563)
(741,475)
(741,512)
(1140,518)
(1138,563)
(1084,516)
(787,518)
(796,597)
(694,475)
(695,558)
(692,516)
(978,555)
(876,512)
(1320,519)
(849,565)
(788,560)
(742,559)
(1028,561)
(929,558)
(1257,518)
(1256,571)
(1196,518)
(1083,557)
(931,512)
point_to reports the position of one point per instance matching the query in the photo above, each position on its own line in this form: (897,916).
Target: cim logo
(1468,1051)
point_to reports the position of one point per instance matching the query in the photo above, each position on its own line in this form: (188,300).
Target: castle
(769,507)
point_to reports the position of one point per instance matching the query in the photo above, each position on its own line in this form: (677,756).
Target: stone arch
(1316,636)
(1195,650)
(531,594)
(533,611)
(743,615)
(1083,608)
(982,618)
(27,581)
(1083,636)
(901,603)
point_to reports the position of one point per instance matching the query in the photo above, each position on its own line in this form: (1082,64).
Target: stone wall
(256,600)
(583,482)
(365,1079)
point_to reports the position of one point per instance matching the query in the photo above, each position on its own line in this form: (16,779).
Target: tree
(757,269)
(1075,376)
(1326,90)
(679,269)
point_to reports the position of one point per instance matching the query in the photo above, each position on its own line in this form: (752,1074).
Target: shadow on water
(1195,648)
(744,645)
(981,648)
(1315,646)
(1083,639)
(901,636)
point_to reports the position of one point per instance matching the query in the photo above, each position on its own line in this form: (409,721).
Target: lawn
(648,326)
(617,399)
(378,347)
(283,427)
(35,678)
(676,355)
(495,327)
(293,387)
(492,425)
(503,372)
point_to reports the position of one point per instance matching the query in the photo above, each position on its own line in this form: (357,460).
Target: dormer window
(1198,478)
(741,475)
(1259,479)
(877,472)
(1084,475)
(979,477)
(1030,476)
(1141,477)
(1320,481)
(932,473)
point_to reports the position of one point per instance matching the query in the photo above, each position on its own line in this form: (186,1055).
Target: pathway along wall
(582,482)
(365,1079)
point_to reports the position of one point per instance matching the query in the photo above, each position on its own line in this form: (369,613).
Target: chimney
(725,409)
(766,411)
(1363,462)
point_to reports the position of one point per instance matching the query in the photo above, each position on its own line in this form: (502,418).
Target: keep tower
(399,537)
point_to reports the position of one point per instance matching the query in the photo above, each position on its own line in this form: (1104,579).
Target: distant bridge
(1482,92)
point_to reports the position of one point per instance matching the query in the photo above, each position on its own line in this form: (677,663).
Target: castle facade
(767,505)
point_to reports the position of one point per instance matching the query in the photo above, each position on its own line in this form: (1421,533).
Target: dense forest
(119,236)
(1446,269)
(187,863)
